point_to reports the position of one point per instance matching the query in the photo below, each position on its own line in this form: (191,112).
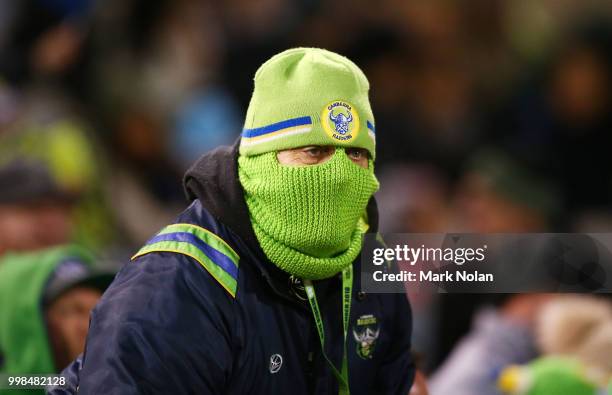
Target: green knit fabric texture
(308,219)
(308,96)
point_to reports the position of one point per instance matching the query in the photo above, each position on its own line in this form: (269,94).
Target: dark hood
(214,180)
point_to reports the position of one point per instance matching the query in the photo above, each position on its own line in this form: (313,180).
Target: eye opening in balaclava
(370,162)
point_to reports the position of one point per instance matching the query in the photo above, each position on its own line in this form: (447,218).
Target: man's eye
(356,153)
(315,152)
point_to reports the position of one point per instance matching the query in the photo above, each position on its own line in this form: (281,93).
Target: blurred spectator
(45,301)
(574,333)
(34,211)
(579,327)
(498,194)
(495,194)
(47,131)
(499,337)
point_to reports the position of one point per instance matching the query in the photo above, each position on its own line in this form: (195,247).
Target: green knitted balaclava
(308,219)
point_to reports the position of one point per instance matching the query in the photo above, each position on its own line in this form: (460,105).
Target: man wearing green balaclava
(306,197)
(256,287)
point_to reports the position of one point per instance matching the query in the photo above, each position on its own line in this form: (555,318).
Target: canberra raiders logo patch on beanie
(340,121)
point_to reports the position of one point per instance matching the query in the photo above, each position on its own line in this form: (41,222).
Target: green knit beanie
(308,96)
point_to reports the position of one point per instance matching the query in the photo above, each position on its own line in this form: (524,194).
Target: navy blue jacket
(167,326)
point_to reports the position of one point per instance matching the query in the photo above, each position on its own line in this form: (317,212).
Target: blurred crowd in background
(491,116)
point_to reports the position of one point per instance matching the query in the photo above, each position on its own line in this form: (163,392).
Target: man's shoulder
(196,248)
(165,288)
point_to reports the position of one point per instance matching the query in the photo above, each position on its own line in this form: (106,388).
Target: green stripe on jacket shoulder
(212,252)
